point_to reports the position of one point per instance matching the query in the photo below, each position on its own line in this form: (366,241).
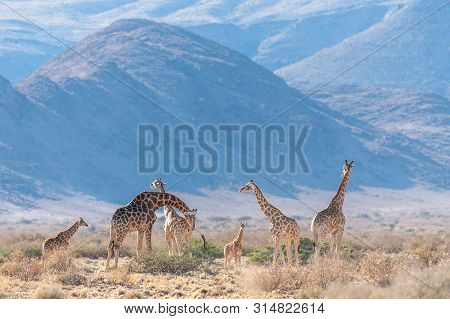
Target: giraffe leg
(110,252)
(189,244)
(339,236)
(148,239)
(277,252)
(169,243)
(117,243)
(175,251)
(333,244)
(140,239)
(179,244)
(317,243)
(287,243)
(296,244)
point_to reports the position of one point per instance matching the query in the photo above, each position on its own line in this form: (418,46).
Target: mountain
(415,59)
(274,34)
(422,117)
(82,111)
(23,48)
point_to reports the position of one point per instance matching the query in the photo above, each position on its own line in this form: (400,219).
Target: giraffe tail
(203,238)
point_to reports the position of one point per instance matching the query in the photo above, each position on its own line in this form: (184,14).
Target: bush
(377,268)
(305,249)
(21,267)
(261,256)
(72,278)
(48,292)
(427,255)
(209,253)
(59,262)
(34,251)
(162,263)
(4,254)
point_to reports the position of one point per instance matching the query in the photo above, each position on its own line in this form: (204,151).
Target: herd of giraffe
(139,216)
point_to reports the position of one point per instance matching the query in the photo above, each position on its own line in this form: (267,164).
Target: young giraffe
(234,249)
(331,220)
(284,229)
(181,232)
(61,241)
(170,215)
(139,215)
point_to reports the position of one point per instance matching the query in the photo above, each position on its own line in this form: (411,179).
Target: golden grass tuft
(21,267)
(60,262)
(48,292)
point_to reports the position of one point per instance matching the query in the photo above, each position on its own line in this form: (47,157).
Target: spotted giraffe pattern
(139,215)
(234,249)
(170,217)
(331,221)
(284,230)
(181,230)
(61,241)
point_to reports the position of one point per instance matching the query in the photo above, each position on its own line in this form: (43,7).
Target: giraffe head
(82,222)
(191,213)
(157,184)
(346,168)
(249,187)
(242,225)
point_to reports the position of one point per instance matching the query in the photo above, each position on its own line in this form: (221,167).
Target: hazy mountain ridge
(88,141)
(417,59)
(273,33)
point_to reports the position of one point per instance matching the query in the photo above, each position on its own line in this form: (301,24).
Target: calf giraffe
(331,220)
(139,215)
(181,232)
(170,217)
(234,249)
(61,241)
(284,229)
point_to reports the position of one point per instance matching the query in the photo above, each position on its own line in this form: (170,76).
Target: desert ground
(376,260)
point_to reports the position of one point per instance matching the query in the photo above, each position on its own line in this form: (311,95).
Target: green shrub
(261,256)
(4,254)
(162,263)
(34,251)
(210,252)
(305,249)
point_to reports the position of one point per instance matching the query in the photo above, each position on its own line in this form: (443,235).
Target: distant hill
(417,60)
(79,128)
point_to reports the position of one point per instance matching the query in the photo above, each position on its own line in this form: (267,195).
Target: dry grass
(48,292)
(379,266)
(22,267)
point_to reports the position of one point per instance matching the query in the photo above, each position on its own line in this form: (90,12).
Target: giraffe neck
(239,236)
(168,211)
(191,221)
(67,234)
(169,200)
(265,205)
(338,200)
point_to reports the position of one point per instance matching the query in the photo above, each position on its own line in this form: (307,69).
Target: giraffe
(234,249)
(61,241)
(170,217)
(139,215)
(284,230)
(181,232)
(331,220)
